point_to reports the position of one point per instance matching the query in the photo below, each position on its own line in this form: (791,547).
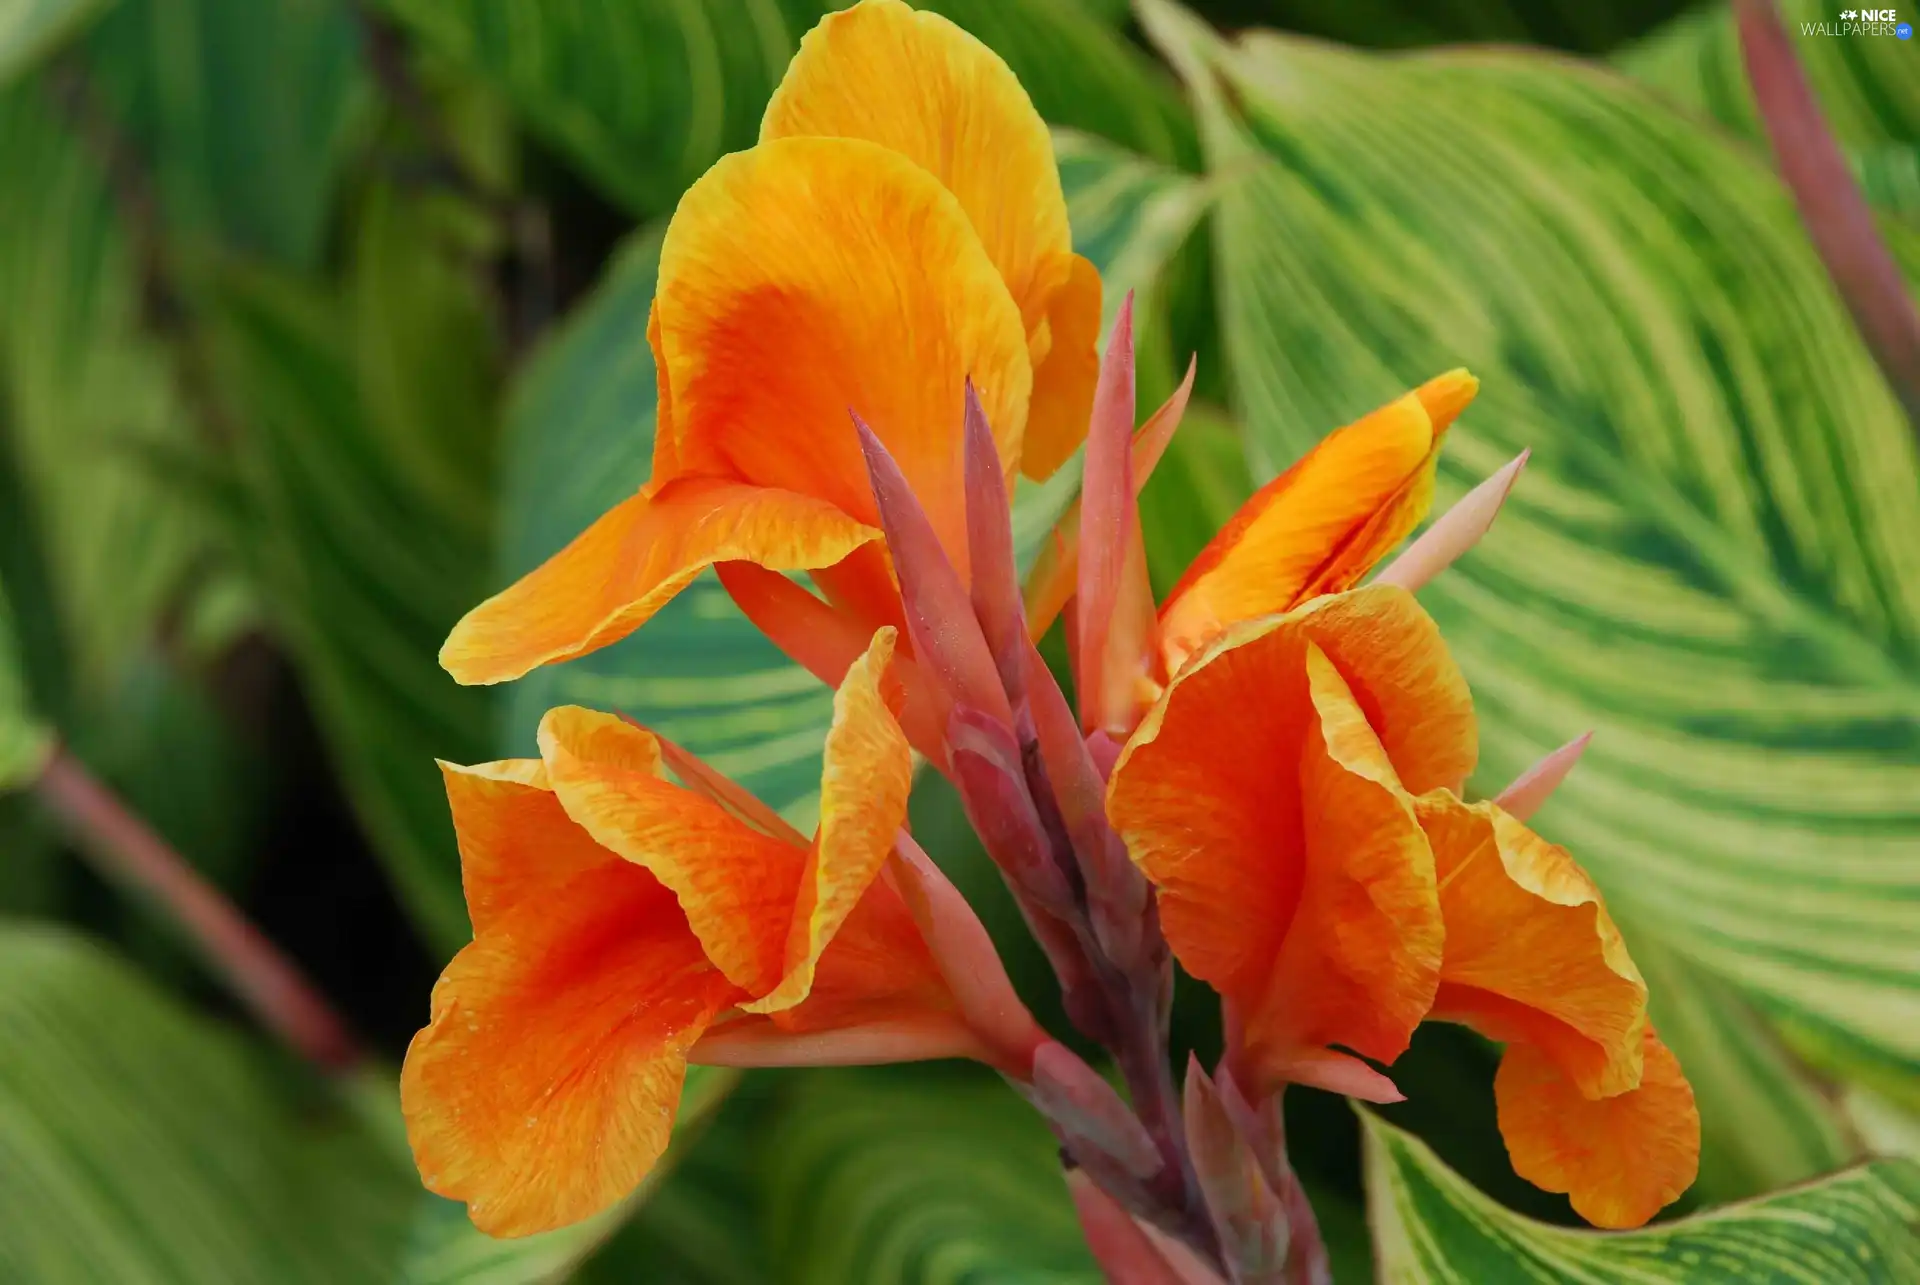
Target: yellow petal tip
(1445,396)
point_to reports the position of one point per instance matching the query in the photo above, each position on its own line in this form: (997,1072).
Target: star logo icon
(1848,15)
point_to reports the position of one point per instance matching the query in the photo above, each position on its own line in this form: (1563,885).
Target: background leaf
(368,436)
(1865,84)
(139,1144)
(947,1177)
(1854,1228)
(240,110)
(24,739)
(29,28)
(1707,560)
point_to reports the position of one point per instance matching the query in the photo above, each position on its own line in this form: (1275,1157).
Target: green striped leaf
(140,1145)
(1431,1227)
(29,29)
(240,112)
(1405,24)
(1764,1122)
(1709,562)
(644,96)
(366,475)
(877,1179)
(1866,86)
(90,412)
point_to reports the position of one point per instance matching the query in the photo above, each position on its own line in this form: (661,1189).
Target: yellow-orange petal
(1321,525)
(1205,789)
(1621,1158)
(1360,959)
(808,277)
(867,773)
(1063,382)
(917,85)
(517,843)
(735,885)
(1532,955)
(544,1086)
(666,453)
(632,561)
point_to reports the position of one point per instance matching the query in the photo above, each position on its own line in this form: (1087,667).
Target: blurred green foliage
(321,319)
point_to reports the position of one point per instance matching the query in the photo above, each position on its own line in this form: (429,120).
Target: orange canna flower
(899,228)
(1293,798)
(625,925)
(1318,528)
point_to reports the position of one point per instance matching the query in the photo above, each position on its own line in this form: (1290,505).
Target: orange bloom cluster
(1285,752)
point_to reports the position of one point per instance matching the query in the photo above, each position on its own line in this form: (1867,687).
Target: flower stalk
(1033,790)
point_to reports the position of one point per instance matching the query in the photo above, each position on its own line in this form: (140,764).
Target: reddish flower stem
(126,850)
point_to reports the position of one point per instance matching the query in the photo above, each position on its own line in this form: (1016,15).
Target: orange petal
(1532,955)
(1063,381)
(863,802)
(812,276)
(1321,525)
(1620,1158)
(666,454)
(877,995)
(632,561)
(921,87)
(736,886)
(1361,957)
(544,1087)
(516,841)
(1207,792)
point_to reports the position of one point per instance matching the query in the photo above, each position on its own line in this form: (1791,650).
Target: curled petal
(544,1086)
(1262,798)
(517,844)
(1531,954)
(867,773)
(920,86)
(809,276)
(632,561)
(737,886)
(698,776)
(1064,380)
(1620,1158)
(1320,526)
(1360,960)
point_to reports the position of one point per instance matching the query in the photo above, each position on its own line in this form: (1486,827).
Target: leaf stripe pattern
(141,1146)
(875,1180)
(1714,560)
(1432,1228)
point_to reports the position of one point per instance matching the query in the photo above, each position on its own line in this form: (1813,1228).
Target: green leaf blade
(1432,1228)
